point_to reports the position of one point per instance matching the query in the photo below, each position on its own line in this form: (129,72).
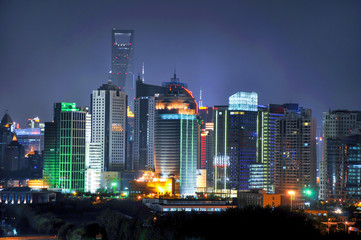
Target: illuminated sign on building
(68,107)
(177,116)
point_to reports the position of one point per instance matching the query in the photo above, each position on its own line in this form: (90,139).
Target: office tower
(109,122)
(64,148)
(351,157)
(262,172)
(6,135)
(295,158)
(336,125)
(14,158)
(221,156)
(94,154)
(242,139)
(176,136)
(122,62)
(209,128)
(144,112)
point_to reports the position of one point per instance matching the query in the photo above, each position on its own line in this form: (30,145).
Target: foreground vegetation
(125,219)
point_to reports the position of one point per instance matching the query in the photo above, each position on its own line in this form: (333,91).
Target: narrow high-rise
(144,115)
(242,138)
(220,161)
(108,125)
(122,62)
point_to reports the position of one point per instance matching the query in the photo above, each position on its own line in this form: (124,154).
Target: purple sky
(307,52)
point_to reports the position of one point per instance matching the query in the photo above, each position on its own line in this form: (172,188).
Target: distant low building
(180,205)
(25,195)
(258,198)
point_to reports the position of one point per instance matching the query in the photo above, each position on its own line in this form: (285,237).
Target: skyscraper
(221,157)
(242,138)
(122,62)
(176,136)
(262,173)
(144,115)
(336,125)
(109,122)
(64,148)
(351,156)
(295,158)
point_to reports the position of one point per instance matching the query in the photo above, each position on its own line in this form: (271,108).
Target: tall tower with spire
(122,62)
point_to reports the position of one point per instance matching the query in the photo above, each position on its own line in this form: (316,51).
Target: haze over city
(306,52)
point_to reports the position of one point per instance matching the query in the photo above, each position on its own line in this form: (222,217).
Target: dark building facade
(337,124)
(220,161)
(144,117)
(295,156)
(6,136)
(15,156)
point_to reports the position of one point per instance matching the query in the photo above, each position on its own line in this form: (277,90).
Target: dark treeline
(80,219)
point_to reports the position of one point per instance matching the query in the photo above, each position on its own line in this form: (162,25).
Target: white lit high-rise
(109,116)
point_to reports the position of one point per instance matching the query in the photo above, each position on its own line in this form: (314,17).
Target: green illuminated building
(262,173)
(64,148)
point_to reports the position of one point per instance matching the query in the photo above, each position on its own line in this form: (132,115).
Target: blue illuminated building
(242,138)
(352,162)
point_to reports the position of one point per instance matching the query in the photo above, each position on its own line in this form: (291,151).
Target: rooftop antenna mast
(143,73)
(200,98)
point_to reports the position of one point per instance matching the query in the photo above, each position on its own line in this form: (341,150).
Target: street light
(292,194)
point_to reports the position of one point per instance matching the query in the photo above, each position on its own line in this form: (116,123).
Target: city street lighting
(292,194)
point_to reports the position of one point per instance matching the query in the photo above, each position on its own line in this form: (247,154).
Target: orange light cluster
(180,105)
(37,183)
(152,184)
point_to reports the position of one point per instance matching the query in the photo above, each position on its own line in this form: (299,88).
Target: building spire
(143,72)
(174,79)
(200,98)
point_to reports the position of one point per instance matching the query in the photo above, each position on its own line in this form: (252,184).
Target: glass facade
(242,143)
(64,148)
(220,171)
(176,133)
(245,101)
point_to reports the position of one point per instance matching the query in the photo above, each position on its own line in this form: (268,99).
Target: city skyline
(300,52)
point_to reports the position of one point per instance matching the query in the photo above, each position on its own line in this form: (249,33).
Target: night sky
(306,52)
